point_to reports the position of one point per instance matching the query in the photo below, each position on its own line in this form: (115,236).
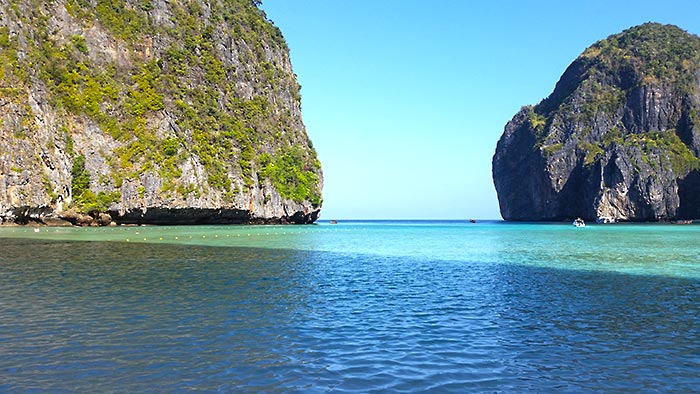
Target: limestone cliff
(155,111)
(619,136)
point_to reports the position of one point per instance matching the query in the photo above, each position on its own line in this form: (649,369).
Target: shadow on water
(591,330)
(100,316)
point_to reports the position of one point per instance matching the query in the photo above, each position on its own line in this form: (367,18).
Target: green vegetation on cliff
(289,171)
(83,198)
(648,54)
(610,73)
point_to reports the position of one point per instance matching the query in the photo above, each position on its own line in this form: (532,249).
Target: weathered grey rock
(618,137)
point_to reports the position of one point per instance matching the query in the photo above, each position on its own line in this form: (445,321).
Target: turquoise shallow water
(353,307)
(644,249)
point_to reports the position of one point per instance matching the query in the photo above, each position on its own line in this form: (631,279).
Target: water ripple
(117,317)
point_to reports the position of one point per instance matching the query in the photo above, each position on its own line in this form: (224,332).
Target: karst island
(617,140)
(150,112)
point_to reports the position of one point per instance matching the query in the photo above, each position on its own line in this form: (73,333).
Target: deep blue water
(354,307)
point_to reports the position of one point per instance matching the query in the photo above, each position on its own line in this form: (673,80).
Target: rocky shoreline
(45,216)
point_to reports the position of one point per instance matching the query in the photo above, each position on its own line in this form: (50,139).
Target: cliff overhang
(46,216)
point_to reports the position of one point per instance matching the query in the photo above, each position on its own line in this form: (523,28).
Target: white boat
(579,223)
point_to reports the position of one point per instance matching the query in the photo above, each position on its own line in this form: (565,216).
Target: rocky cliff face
(177,111)
(619,136)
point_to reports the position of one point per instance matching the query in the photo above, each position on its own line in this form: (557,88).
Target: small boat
(334,222)
(681,222)
(579,223)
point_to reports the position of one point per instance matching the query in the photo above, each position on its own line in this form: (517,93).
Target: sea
(352,307)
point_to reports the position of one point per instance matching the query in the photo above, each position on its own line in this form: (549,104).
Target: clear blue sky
(405,100)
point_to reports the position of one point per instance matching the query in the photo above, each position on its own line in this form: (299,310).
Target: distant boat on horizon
(681,222)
